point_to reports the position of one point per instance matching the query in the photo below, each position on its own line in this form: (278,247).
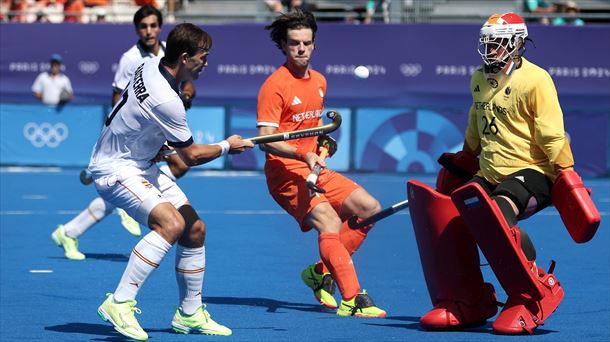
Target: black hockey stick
(303,133)
(354,224)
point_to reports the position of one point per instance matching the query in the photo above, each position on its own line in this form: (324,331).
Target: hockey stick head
(336,119)
(352,222)
(315,188)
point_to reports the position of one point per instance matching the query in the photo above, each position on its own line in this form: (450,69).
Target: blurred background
(412,108)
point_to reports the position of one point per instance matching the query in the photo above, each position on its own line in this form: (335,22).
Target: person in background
(16,10)
(280,6)
(41,16)
(539,7)
(373,6)
(53,87)
(148,22)
(73,11)
(570,10)
(100,15)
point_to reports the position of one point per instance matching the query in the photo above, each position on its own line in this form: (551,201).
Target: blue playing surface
(255,254)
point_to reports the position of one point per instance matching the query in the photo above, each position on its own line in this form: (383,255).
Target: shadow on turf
(271,305)
(102,256)
(108,256)
(415,326)
(96,329)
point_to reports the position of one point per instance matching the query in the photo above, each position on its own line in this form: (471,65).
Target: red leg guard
(450,261)
(522,315)
(531,297)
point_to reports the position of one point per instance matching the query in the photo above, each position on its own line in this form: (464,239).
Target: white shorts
(138,192)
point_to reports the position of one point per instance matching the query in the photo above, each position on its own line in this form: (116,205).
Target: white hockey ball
(361,72)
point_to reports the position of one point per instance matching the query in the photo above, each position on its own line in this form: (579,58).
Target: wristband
(301,153)
(225,147)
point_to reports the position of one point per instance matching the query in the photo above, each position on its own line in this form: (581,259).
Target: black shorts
(520,187)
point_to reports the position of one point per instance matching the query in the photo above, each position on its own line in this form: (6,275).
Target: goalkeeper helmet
(501,37)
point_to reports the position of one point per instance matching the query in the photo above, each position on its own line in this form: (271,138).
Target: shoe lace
(129,317)
(362,301)
(328,284)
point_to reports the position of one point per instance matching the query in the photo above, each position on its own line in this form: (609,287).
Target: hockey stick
(303,133)
(354,224)
(312,179)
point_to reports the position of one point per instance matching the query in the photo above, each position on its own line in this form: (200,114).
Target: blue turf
(255,254)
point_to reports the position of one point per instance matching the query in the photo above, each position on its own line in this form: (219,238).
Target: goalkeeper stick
(354,224)
(303,133)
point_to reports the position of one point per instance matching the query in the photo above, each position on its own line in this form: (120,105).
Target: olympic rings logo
(88,67)
(410,70)
(45,134)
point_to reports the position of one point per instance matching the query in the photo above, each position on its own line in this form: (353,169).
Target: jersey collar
(144,52)
(169,78)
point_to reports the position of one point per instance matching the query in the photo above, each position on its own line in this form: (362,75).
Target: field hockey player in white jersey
(149,114)
(147,22)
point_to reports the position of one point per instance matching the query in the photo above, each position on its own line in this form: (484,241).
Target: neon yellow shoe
(132,226)
(122,317)
(69,244)
(360,306)
(198,323)
(323,286)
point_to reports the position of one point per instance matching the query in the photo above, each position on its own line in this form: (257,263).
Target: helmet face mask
(500,40)
(501,37)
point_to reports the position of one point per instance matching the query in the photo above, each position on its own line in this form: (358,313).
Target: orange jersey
(290,104)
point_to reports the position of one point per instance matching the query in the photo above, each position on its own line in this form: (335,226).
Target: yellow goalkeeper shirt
(517,125)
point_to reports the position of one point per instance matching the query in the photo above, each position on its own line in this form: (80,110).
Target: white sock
(145,258)
(95,212)
(190,268)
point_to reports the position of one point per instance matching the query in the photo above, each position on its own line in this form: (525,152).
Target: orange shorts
(289,190)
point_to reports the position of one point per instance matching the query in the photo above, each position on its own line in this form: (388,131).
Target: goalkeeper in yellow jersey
(515,127)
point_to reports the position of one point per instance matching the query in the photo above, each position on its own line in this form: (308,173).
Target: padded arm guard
(575,206)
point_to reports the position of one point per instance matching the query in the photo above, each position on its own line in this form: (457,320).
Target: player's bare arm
(283,149)
(197,154)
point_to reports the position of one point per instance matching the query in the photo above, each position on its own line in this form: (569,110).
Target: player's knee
(516,192)
(325,220)
(100,208)
(361,204)
(369,207)
(174,227)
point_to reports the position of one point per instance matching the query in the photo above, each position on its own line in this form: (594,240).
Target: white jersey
(51,87)
(130,60)
(149,113)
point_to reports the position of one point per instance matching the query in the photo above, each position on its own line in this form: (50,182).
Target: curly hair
(293,20)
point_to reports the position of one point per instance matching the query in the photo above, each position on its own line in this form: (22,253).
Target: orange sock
(337,258)
(352,239)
